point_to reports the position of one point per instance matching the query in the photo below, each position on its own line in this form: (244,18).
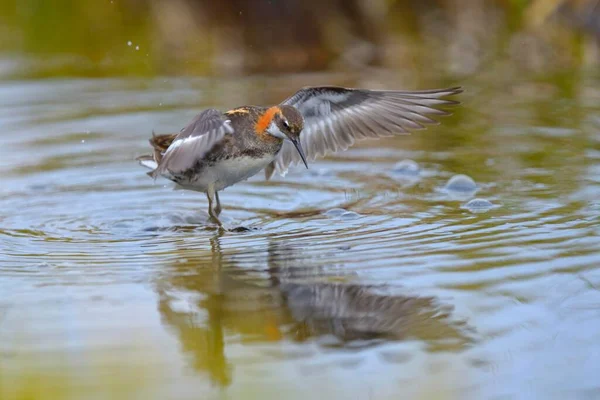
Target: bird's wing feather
(336,117)
(194,141)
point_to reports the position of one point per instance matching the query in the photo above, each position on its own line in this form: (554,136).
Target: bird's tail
(160,144)
(148,162)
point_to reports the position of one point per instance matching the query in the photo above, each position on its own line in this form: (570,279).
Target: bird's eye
(286,124)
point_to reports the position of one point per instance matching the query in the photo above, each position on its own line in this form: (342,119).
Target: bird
(218,149)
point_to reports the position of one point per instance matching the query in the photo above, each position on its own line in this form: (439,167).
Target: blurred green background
(205,37)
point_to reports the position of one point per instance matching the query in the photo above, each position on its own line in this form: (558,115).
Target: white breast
(228,172)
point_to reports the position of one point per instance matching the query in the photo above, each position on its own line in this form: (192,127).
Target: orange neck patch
(265,120)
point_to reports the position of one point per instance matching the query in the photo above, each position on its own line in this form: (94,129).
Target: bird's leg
(218,207)
(210,194)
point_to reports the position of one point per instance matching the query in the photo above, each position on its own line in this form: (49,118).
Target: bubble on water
(335,212)
(461,183)
(342,214)
(478,205)
(348,215)
(407,168)
(82,140)
(129,43)
(137,48)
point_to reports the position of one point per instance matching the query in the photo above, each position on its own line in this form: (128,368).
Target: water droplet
(82,141)
(478,205)
(461,183)
(137,48)
(407,168)
(129,43)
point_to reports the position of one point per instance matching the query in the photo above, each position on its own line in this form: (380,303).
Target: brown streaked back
(160,144)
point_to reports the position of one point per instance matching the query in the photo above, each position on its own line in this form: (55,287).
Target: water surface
(367,276)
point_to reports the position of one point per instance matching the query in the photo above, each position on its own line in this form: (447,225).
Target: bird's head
(285,122)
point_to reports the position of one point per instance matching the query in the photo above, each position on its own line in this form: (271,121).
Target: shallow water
(364,277)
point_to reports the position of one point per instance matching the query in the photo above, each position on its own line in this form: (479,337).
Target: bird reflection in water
(277,294)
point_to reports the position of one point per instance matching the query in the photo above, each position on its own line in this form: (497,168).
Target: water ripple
(367,260)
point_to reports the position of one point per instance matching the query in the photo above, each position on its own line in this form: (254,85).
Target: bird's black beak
(300,151)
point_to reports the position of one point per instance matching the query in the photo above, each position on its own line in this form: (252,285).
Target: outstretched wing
(335,117)
(193,142)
